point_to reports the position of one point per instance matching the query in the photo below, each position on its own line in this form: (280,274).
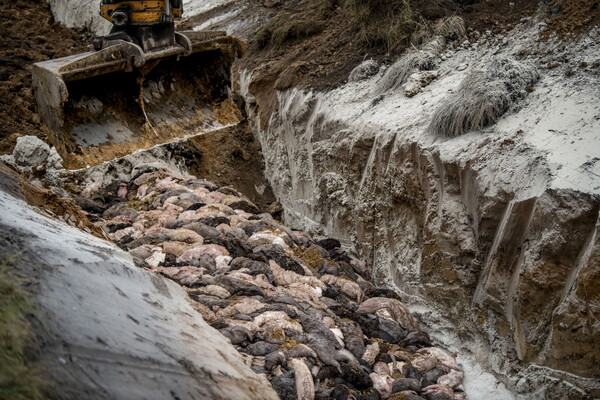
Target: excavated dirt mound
(232,157)
(228,157)
(29,34)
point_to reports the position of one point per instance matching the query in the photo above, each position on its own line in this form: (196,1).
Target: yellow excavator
(144,84)
(148,24)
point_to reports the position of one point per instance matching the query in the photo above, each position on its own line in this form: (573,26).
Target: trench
(321,216)
(503,276)
(491,273)
(495,275)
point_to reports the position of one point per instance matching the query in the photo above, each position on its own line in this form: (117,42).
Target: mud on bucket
(98,106)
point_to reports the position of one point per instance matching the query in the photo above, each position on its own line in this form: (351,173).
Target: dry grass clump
(516,76)
(300,21)
(483,97)
(381,23)
(452,28)
(363,71)
(388,23)
(398,73)
(18,381)
(478,103)
(423,59)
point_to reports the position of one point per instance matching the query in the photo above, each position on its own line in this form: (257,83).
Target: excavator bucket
(106,104)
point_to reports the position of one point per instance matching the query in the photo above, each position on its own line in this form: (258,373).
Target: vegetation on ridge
(381,23)
(387,23)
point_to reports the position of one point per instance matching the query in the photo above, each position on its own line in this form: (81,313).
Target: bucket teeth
(101,105)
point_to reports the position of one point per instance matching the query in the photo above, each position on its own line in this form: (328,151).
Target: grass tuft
(387,23)
(18,381)
(363,71)
(452,28)
(299,21)
(423,59)
(477,104)
(483,97)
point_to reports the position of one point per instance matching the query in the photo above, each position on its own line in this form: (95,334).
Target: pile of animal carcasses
(302,312)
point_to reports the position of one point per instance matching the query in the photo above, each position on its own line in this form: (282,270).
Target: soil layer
(29,35)
(228,157)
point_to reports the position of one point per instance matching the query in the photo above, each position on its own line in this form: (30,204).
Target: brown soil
(323,61)
(29,34)
(496,15)
(229,157)
(568,17)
